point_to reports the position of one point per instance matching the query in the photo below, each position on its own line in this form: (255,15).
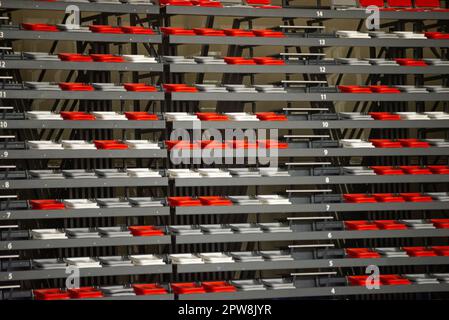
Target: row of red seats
(200,201)
(263,116)
(400,143)
(130,115)
(262,4)
(368,89)
(222,33)
(393,5)
(93,28)
(364,225)
(139,289)
(255,60)
(228,144)
(386,197)
(401,170)
(77,57)
(366,253)
(384,279)
(134,87)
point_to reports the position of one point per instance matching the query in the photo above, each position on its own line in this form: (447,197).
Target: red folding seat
(187,288)
(360,225)
(85,292)
(354,89)
(145,231)
(362,253)
(239,33)
(384,89)
(433,5)
(416,197)
(107,58)
(419,252)
(141,115)
(40,27)
(183,202)
(51,294)
(394,5)
(272,144)
(436,35)
(46,205)
(387,170)
(215,201)
(411,62)
(388,197)
(441,250)
(385,143)
(271,116)
(268,61)
(139,87)
(75,86)
(211,116)
(414,143)
(385,116)
(179,87)
(177,31)
(209,32)
(439,169)
(415,170)
(358,280)
(176,3)
(182,144)
(359,198)
(269,33)
(207,3)
(367,3)
(75,57)
(440,223)
(390,225)
(76,115)
(110,144)
(214,144)
(144,289)
(243,144)
(238,60)
(218,286)
(137,30)
(105,29)
(258,2)
(393,279)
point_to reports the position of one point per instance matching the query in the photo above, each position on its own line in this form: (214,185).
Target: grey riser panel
(313,124)
(75,124)
(83,213)
(95,66)
(87,7)
(228,96)
(316,292)
(332,207)
(310,264)
(309,42)
(83,183)
(302,13)
(313,235)
(307,180)
(80,243)
(315,69)
(81,95)
(81,36)
(84,272)
(90,154)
